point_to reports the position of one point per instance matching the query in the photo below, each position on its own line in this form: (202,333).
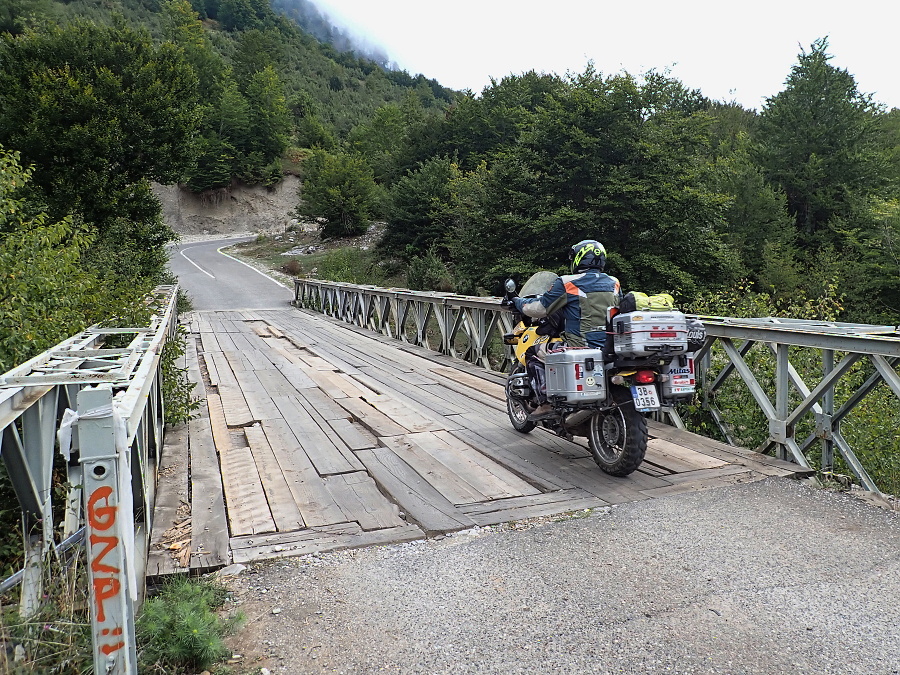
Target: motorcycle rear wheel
(618,436)
(518,413)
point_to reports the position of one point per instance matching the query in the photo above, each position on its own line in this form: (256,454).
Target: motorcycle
(604,391)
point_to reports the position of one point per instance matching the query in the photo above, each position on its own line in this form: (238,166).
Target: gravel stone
(768,577)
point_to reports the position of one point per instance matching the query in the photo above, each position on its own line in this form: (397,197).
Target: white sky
(729,50)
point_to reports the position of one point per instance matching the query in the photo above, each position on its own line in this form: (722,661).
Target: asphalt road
(772,578)
(217,281)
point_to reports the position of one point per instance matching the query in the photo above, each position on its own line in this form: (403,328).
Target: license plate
(645,398)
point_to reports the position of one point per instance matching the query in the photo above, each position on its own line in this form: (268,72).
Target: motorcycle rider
(583,297)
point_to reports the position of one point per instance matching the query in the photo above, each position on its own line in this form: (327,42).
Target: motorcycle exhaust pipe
(577,418)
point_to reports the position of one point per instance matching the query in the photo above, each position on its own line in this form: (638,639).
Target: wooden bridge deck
(315,436)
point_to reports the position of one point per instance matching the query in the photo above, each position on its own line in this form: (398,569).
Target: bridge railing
(101,406)
(471,328)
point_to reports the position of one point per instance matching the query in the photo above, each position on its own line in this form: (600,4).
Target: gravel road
(768,577)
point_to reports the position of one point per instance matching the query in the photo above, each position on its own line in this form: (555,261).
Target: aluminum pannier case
(576,375)
(638,334)
(682,378)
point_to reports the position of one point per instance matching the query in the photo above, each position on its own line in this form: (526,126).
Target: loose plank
(209,528)
(329,542)
(360,500)
(315,502)
(248,510)
(421,502)
(285,511)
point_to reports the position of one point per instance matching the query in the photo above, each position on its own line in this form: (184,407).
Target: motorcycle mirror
(510,286)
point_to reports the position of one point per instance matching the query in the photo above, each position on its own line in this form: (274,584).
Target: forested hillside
(98,99)
(797,201)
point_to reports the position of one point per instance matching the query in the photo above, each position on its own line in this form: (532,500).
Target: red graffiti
(104,589)
(109,649)
(101,517)
(109,543)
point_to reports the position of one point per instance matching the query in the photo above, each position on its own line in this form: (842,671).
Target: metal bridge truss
(108,403)
(471,328)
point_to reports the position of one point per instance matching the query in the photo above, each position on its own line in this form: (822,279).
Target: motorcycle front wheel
(618,436)
(518,413)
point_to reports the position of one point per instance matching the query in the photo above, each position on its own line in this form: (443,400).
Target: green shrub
(429,273)
(351,266)
(179,631)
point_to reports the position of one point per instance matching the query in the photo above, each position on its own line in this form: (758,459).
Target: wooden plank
(746,476)
(209,342)
(354,435)
(171,498)
(211,371)
(316,413)
(450,485)
(677,458)
(248,510)
(471,382)
(306,534)
(708,446)
(317,445)
(417,397)
(421,502)
(237,413)
(296,376)
(324,406)
(360,500)
(525,460)
(275,383)
(209,528)
(539,499)
(315,502)
(317,362)
(538,510)
(703,474)
(372,419)
(411,419)
(258,400)
(330,542)
(487,476)
(284,509)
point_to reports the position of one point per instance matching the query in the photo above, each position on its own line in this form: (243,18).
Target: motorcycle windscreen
(538,284)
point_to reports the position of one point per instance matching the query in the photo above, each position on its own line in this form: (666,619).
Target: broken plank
(248,510)
(171,495)
(449,484)
(330,542)
(471,381)
(318,446)
(677,458)
(354,435)
(372,419)
(315,502)
(359,498)
(487,476)
(416,496)
(209,528)
(284,509)
(746,476)
(538,510)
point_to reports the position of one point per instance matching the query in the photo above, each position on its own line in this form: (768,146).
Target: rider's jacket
(583,300)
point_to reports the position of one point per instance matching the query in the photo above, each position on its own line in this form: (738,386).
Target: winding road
(216,281)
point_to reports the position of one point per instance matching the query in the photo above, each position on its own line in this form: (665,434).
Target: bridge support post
(109,535)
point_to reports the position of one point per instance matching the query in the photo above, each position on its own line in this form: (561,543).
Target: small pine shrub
(180,406)
(179,631)
(429,273)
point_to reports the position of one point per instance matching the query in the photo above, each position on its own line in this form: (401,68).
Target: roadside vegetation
(793,209)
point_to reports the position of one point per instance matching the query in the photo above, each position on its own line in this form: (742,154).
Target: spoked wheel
(618,436)
(518,413)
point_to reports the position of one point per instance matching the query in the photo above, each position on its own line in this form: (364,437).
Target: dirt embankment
(236,209)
